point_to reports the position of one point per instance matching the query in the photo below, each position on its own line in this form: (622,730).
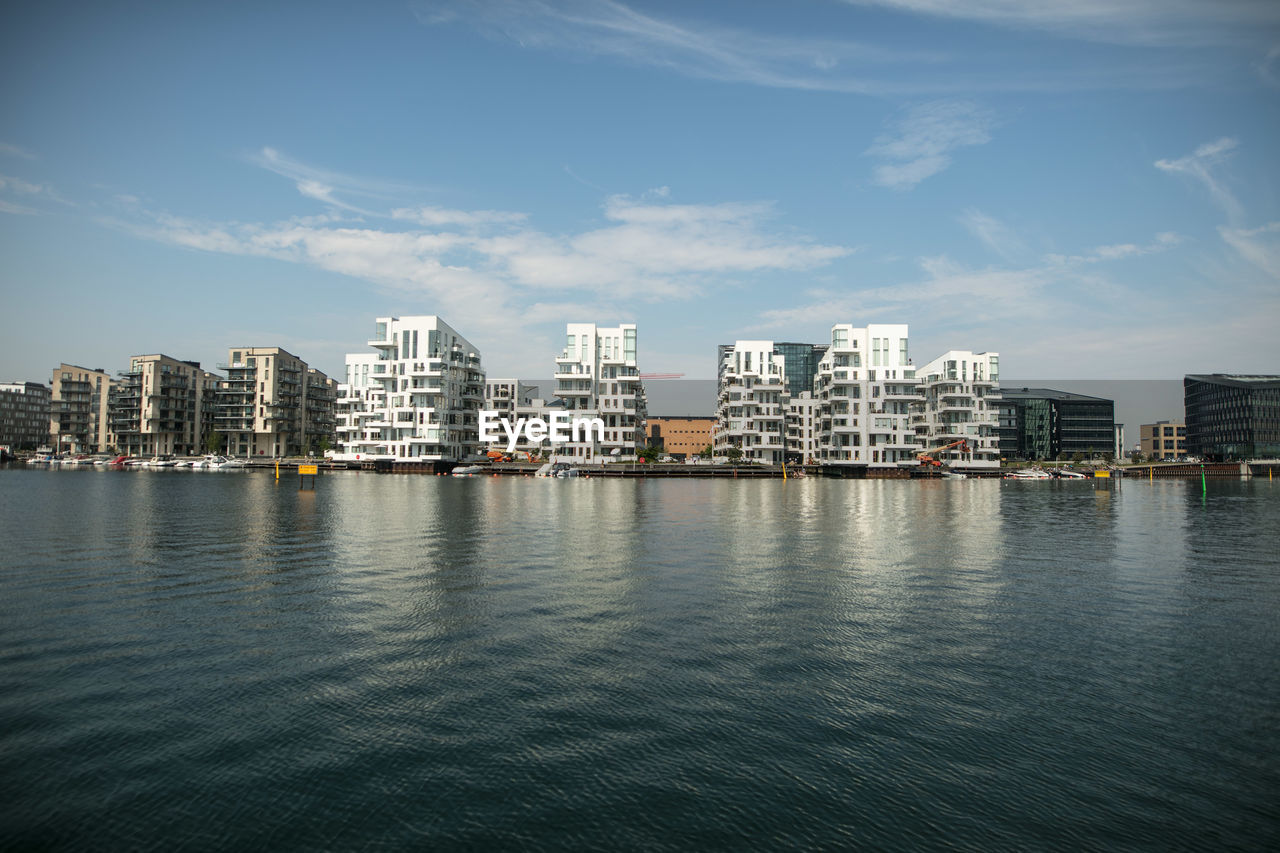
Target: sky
(1091,189)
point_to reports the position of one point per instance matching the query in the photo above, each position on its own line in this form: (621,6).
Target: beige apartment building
(163,406)
(79,415)
(1164,439)
(272,404)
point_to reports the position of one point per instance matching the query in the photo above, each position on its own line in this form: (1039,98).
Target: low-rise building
(1163,440)
(1231,416)
(1041,423)
(24,415)
(960,391)
(79,410)
(681,437)
(416,398)
(163,406)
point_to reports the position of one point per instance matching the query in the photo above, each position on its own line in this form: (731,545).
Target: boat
(544,471)
(1028,474)
(160,462)
(954,475)
(1069,475)
(211,461)
(468,470)
(232,463)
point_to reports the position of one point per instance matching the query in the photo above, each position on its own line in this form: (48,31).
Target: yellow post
(1151,473)
(277,469)
(784,469)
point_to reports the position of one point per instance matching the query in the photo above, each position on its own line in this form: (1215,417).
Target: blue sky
(1089,188)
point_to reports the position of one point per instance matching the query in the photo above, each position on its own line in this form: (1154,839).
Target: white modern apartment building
(597,377)
(751,402)
(866,386)
(416,398)
(803,415)
(272,403)
(504,396)
(959,391)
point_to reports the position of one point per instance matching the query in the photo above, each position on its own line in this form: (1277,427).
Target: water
(215,660)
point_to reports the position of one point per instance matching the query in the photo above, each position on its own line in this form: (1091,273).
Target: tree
(734,454)
(706,452)
(1077,457)
(214,441)
(648,454)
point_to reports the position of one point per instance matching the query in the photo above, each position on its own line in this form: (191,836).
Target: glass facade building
(1040,423)
(1231,416)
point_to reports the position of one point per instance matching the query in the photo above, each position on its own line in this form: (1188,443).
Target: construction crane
(927,457)
(661,375)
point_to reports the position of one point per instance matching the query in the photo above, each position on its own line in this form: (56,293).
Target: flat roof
(1048,394)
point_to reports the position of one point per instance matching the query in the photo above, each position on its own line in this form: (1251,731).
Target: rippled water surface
(214,660)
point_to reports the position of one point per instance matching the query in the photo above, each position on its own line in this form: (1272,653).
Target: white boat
(210,461)
(954,475)
(468,471)
(1071,475)
(232,463)
(160,462)
(544,471)
(1028,474)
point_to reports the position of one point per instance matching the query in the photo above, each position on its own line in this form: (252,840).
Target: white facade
(867,389)
(960,390)
(751,401)
(597,377)
(803,414)
(416,398)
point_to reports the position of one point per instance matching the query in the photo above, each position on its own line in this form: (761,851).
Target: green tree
(648,454)
(707,452)
(734,454)
(214,441)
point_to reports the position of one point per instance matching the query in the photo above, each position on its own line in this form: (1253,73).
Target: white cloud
(1266,68)
(473,263)
(993,233)
(8,150)
(1199,165)
(1118,251)
(1152,22)
(29,192)
(1259,246)
(921,140)
(437,216)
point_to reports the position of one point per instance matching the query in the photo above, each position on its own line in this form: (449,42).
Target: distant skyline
(1090,189)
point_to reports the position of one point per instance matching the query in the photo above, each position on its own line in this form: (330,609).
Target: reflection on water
(223,660)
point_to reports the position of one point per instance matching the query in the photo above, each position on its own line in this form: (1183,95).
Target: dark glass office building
(1232,417)
(1040,423)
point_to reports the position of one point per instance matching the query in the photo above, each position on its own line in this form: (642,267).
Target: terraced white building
(597,377)
(751,402)
(866,386)
(416,398)
(959,391)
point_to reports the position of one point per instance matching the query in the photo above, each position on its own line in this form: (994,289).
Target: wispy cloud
(1118,251)
(613,29)
(1200,165)
(993,233)
(920,141)
(1148,22)
(29,192)
(707,51)
(472,264)
(1259,246)
(8,150)
(322,184)
(1267,68)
